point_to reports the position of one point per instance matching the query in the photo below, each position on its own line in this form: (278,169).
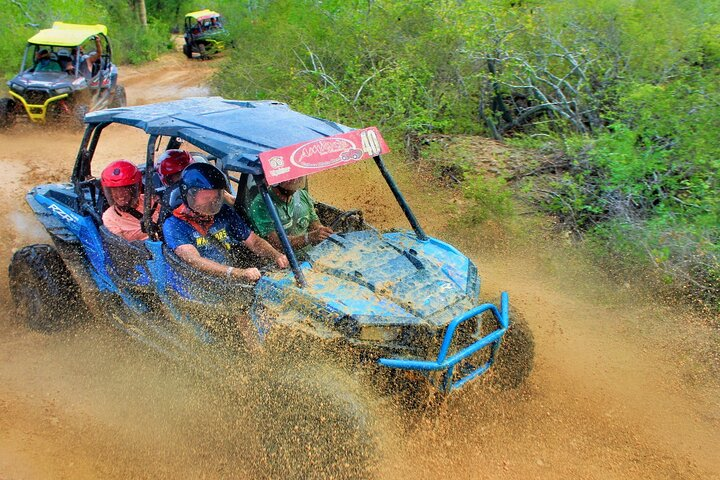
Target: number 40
(370,142)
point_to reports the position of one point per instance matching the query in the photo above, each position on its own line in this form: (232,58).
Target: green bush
(490,198)
(386,64)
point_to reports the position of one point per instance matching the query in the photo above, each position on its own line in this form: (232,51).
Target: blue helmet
(201,176)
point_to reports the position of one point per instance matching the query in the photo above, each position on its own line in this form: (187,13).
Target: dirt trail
(621,387)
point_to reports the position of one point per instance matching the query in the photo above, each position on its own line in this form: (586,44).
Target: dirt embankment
(620,388)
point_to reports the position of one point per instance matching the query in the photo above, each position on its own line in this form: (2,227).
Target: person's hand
(251,274)
(282,261)
(317,236)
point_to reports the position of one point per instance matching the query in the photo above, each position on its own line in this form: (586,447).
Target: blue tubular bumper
(448,364)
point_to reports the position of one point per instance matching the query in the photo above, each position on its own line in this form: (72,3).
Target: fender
(86,232)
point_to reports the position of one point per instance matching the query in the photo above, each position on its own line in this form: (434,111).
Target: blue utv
(400,310)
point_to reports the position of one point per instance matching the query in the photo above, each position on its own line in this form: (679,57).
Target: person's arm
(98,52)
(261,247)
(191,255)
(316,233)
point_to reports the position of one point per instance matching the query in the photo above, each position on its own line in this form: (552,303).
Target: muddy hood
(391,278)
(45,80)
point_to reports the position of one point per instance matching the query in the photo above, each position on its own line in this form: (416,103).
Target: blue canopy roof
(234,131)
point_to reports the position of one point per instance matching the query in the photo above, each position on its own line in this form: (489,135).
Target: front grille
(36,97)
(465,334)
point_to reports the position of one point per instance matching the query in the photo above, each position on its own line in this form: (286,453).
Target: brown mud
(624,386)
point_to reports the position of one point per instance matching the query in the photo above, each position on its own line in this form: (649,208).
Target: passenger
(169,167)
(121,184)
(297,215)
(203,230)
(65,60)
(86,61)
(171,164)
(45,63)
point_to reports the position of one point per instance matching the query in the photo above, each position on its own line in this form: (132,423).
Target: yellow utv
(66,71)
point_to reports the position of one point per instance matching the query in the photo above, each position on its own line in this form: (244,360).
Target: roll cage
(68,36)
(236,134)
(202,20)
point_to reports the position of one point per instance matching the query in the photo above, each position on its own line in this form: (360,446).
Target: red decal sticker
(321,154)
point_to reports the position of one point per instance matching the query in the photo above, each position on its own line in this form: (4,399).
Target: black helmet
(203,176)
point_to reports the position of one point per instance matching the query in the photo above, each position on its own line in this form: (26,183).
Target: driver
(121,185)
(297,215)
(44,62)
(203,230)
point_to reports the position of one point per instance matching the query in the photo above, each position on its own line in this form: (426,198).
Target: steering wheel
(344,216)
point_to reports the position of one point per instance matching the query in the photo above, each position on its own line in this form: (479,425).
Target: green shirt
(295,215)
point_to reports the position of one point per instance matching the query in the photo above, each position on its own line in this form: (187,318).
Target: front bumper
(37,113)
(445,365)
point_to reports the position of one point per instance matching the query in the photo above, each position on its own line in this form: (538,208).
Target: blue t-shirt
(228,230)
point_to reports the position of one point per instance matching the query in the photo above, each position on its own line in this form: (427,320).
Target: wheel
(203,52)
(314,421)
(187,50)
(44,292)
(119,98)
(7,112)
(412,392)
(79,112)
(515,358)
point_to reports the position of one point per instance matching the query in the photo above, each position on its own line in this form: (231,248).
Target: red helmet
(172,162)
(120,173)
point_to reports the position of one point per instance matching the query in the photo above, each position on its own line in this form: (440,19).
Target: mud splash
(623,386)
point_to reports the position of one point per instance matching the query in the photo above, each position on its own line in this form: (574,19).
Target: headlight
(62,90)
(17,88)
(374,333)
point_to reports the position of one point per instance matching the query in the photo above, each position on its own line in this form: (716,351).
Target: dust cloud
(624,386)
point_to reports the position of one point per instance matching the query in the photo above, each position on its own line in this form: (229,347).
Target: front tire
(44,292)
(79,112)
(7,112)
(515,358)
(119,98)
(187,50)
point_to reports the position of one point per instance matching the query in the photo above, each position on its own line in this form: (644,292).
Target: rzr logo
(62,213)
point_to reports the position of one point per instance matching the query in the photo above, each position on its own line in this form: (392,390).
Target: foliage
(385,63)
(24,18)
(491,199)
(648,185)
(629,90)
(133,43)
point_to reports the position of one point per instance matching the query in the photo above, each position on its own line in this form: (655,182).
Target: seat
(170,199)
(174,199)
(127,259)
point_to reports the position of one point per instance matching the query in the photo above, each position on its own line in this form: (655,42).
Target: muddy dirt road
(625,387)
